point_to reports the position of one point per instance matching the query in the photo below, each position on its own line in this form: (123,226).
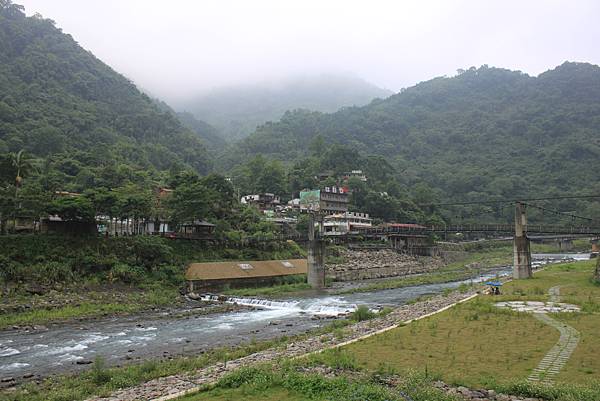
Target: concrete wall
(200,286)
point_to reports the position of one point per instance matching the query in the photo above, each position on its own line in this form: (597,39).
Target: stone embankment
(168,387)
(480,394)
(382,263)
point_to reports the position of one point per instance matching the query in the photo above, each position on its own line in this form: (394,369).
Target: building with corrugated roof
(213,276)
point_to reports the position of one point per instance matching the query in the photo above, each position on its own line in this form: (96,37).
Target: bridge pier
(565,244)
(522,250)
(316,255)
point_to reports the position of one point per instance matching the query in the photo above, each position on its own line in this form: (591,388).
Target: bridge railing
(497,228)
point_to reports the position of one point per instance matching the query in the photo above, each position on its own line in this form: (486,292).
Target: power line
(490,202)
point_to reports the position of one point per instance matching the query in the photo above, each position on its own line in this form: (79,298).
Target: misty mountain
(59,102)
(209,134)
(237,110)
(485,132)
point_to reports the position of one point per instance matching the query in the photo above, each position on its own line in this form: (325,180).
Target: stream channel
(119,340)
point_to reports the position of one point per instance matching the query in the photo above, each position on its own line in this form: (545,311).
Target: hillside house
(346,223)
(264,201)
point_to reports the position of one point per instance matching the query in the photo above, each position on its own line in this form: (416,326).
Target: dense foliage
(212,138)
(485,133)
(236,111)
(383,195)
(88,125)
(54,259)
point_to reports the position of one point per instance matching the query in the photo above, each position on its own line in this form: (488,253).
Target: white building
(356,174)
(346,223)
(265,201)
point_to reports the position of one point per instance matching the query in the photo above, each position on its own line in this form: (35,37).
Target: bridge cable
(557,212)
(487,202)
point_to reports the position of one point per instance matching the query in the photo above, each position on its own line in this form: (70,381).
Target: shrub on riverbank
(362,313)
(55,259)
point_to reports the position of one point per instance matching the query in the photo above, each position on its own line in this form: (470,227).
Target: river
(120,340)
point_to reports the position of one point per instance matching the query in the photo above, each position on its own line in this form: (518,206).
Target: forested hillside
(209,134)
(88,124)
(236,111)
(484,133)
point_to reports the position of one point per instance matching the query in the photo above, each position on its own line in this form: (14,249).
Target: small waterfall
(326,306)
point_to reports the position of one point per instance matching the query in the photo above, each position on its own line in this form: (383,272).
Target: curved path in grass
(558,355)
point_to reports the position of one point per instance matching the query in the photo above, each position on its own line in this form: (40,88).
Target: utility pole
(522,249)
(316,253)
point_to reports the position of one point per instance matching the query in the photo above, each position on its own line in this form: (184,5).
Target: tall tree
(23,165)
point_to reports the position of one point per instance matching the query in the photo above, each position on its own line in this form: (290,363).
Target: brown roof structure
(252,269)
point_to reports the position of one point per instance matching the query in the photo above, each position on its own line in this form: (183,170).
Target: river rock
(382,263)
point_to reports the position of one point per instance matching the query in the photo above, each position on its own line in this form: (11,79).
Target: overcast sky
(178,47)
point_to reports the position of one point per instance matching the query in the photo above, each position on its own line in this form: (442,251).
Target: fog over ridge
(184,48)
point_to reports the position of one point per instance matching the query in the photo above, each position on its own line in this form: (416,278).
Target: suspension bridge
(521,231)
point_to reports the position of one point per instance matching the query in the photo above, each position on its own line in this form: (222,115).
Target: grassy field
(467,344)
(287,383)
(477,344)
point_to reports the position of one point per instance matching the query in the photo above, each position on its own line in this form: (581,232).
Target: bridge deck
(485,228)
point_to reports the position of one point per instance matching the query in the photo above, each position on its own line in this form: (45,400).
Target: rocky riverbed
(186,382)
(381,263)
(172,386)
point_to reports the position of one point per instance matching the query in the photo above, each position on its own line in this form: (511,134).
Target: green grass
(430,278)
(294,380)
(476,343)
(247,393)
(469,341)
(268,382)
(134,302)
(42,316)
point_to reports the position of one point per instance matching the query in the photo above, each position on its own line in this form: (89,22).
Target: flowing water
(123,339)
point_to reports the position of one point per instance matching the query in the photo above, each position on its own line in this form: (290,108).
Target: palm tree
(23,165)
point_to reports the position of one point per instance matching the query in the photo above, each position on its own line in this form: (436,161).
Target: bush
(54,272)
(10,271)
(362,313)
(100,375)
(150,251)
(127,274)
(168,274)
